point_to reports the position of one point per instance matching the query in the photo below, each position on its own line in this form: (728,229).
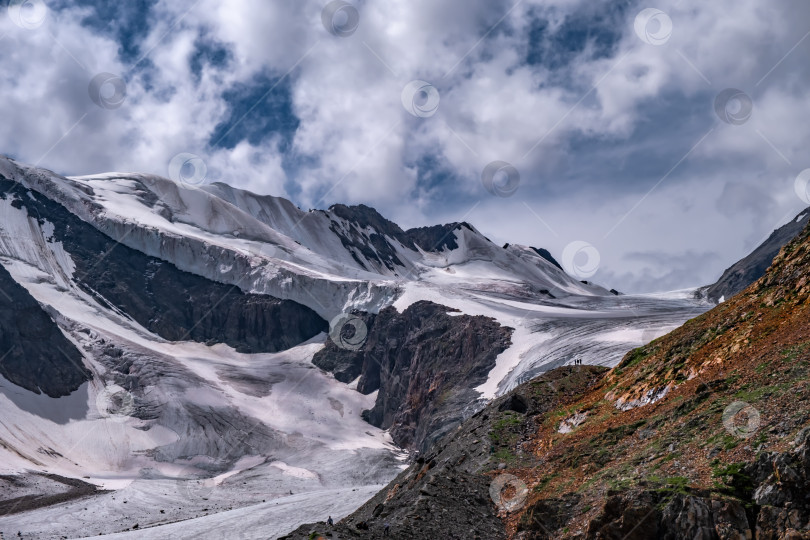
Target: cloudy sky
(667,136)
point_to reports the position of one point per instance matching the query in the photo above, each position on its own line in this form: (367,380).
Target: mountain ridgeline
(424,362)
(175,305)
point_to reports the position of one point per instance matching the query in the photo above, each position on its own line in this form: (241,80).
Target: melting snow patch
(572,422)
(650,396)
(297,472)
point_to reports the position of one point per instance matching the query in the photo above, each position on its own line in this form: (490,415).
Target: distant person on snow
(329,521)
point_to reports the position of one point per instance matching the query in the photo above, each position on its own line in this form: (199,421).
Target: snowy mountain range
(186,361)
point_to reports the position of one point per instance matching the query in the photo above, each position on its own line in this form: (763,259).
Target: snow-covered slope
(215,428)
(185,423)
(267,245)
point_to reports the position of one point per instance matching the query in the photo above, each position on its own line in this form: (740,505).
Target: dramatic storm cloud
(669,137)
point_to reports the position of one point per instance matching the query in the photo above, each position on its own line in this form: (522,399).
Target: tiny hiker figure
(329,521)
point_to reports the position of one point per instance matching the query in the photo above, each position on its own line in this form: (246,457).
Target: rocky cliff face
(437,238)
(368,235)
(781,491)
(701,434)
(34,354)
(424,362)
(175,305)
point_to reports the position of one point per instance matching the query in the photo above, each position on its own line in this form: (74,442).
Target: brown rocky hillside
(702,434)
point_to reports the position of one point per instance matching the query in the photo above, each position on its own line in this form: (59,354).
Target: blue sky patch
(600,28)
(208,52)
(127,22)
(259,110)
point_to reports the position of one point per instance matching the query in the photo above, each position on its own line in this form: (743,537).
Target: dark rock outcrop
(644,514)
(366,217)
(174,304)
(34,354)
(749,269)
(372,245)
(782,492)
(425,364)
(346,364)
(368,233)
(436,238)
(544,253)
(547,256)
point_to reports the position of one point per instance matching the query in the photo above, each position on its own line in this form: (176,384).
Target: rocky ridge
(425,363)
(753,266)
